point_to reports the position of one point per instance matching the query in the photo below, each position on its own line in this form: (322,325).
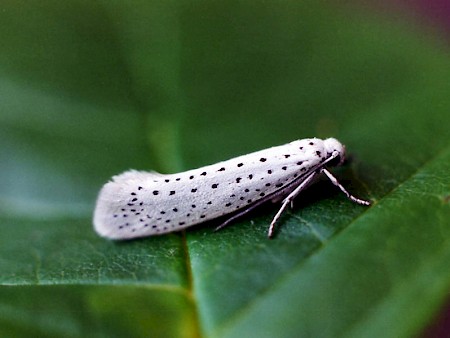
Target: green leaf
(92,89)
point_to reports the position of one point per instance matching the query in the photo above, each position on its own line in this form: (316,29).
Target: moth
(138,204)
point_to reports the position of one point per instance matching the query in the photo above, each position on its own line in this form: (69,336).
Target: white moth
(137,204)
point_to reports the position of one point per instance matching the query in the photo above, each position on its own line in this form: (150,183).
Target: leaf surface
(92,89)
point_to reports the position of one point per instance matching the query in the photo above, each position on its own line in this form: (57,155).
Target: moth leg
(349,196)
(332,157)
(239,214)
(289,200)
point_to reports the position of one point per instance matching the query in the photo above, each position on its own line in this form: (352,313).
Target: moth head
(334,146)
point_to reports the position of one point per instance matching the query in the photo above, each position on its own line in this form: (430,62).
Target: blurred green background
(90,89)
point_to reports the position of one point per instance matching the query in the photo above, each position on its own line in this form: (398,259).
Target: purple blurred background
(436,12)
(431,15)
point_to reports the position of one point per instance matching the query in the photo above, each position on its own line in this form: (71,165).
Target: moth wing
(114,198)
